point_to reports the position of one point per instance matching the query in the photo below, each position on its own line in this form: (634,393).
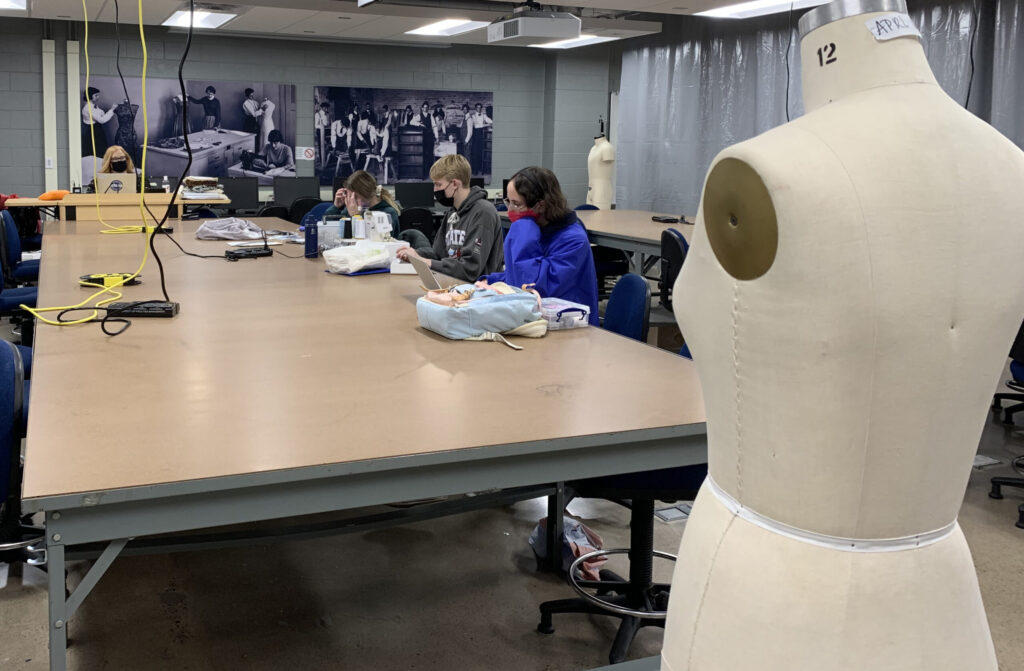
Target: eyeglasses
(514,206)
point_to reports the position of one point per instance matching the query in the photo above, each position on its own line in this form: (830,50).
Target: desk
(50,207)
(629,230)
(124,207)
(245,406)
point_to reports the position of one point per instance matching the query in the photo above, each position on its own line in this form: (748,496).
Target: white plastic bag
(230,228)
(364,255)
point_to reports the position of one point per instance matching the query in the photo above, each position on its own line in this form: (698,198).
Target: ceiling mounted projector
(529,26)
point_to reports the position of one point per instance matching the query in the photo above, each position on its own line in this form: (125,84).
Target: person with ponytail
(361,190)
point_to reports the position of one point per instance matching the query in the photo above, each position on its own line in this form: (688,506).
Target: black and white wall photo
(397,134)
(235,129)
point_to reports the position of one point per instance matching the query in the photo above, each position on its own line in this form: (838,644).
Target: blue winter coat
(556,259)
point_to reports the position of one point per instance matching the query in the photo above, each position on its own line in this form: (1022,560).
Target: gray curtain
(702,85)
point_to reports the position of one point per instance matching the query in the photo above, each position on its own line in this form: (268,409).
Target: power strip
(253,253)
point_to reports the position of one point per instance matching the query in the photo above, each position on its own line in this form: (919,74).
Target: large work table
(281,390)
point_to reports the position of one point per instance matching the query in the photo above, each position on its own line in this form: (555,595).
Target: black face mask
(446,201)
(119,166)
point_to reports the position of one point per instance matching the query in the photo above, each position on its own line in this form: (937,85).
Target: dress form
(838,301)
(600,167)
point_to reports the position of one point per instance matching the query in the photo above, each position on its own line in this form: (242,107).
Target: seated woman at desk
(547,245)
(362,191)
(115,160)
(277,153)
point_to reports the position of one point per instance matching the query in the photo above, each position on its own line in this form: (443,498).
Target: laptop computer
(116,182)
(426,276)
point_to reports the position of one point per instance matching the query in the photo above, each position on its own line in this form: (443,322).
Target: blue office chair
(501,207)
(684,351)
(315,214)
(629,308)
(639,601)
(15,270)
(608,261)
(16,535)
(586,206)
(1017,384)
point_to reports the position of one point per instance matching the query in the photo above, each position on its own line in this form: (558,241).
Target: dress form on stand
(837,298)
(600,169)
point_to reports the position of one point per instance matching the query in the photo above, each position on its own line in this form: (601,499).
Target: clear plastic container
(562,314)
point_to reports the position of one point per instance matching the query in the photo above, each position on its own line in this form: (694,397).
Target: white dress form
(600,167)
(850,295)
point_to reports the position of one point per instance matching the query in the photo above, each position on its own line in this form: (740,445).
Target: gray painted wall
(572,86)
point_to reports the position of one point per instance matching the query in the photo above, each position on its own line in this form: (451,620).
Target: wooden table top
(632,223)
(85,199)
(274,364)
(31,202)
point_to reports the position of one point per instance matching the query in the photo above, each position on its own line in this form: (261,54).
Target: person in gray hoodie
(469,241)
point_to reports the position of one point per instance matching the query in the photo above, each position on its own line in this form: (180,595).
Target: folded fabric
(56,194)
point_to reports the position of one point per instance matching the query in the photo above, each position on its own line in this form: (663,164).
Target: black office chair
(639,601)
(18,537)
(673,252)
(1017,384)
(299,207)
(273,210)
(420,219)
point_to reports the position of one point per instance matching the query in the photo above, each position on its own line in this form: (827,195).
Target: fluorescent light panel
(18,5)
(581,41)
(447,28)
(201,19)
(745,10)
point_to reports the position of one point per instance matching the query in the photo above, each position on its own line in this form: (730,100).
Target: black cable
(974,34)
(789,47)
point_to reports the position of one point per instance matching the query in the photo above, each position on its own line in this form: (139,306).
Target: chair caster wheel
(546,627)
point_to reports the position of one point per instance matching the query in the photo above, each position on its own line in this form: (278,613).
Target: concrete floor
(454,593)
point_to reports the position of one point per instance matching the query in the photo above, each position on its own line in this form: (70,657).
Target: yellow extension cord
(37,312)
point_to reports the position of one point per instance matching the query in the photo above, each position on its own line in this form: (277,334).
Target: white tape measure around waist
(822,540)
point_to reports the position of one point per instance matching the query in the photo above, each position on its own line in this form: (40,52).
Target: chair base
(1009,412)
(653,598)
(997,493)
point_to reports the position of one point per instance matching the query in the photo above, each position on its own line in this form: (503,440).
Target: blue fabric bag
(483,315)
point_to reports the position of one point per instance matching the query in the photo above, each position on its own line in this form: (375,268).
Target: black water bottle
(312,240)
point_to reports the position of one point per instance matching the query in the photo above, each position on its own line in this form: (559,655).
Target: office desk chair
(609,263)
(315,214)
(16,271)
(273,210)
(17,536)
(1017,384)
(638,601)
(299,207)
(420,219)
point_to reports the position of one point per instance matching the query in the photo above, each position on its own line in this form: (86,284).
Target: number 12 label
(827,54)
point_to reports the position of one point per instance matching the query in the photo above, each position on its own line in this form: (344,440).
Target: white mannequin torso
(600,167)
(838,300)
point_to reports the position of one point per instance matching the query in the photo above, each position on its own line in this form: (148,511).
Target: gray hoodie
(469,242)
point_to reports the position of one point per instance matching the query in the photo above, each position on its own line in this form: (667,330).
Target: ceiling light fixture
(581,41)
(745,10)
(447,28)
(201,19)
(16,5)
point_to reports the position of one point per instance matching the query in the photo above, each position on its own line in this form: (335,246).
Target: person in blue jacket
(547,245)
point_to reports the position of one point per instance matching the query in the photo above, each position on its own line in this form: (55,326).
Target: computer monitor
(476,181)
(244,192)
(415,194)
(504,188)
(287,189)
(338,183)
